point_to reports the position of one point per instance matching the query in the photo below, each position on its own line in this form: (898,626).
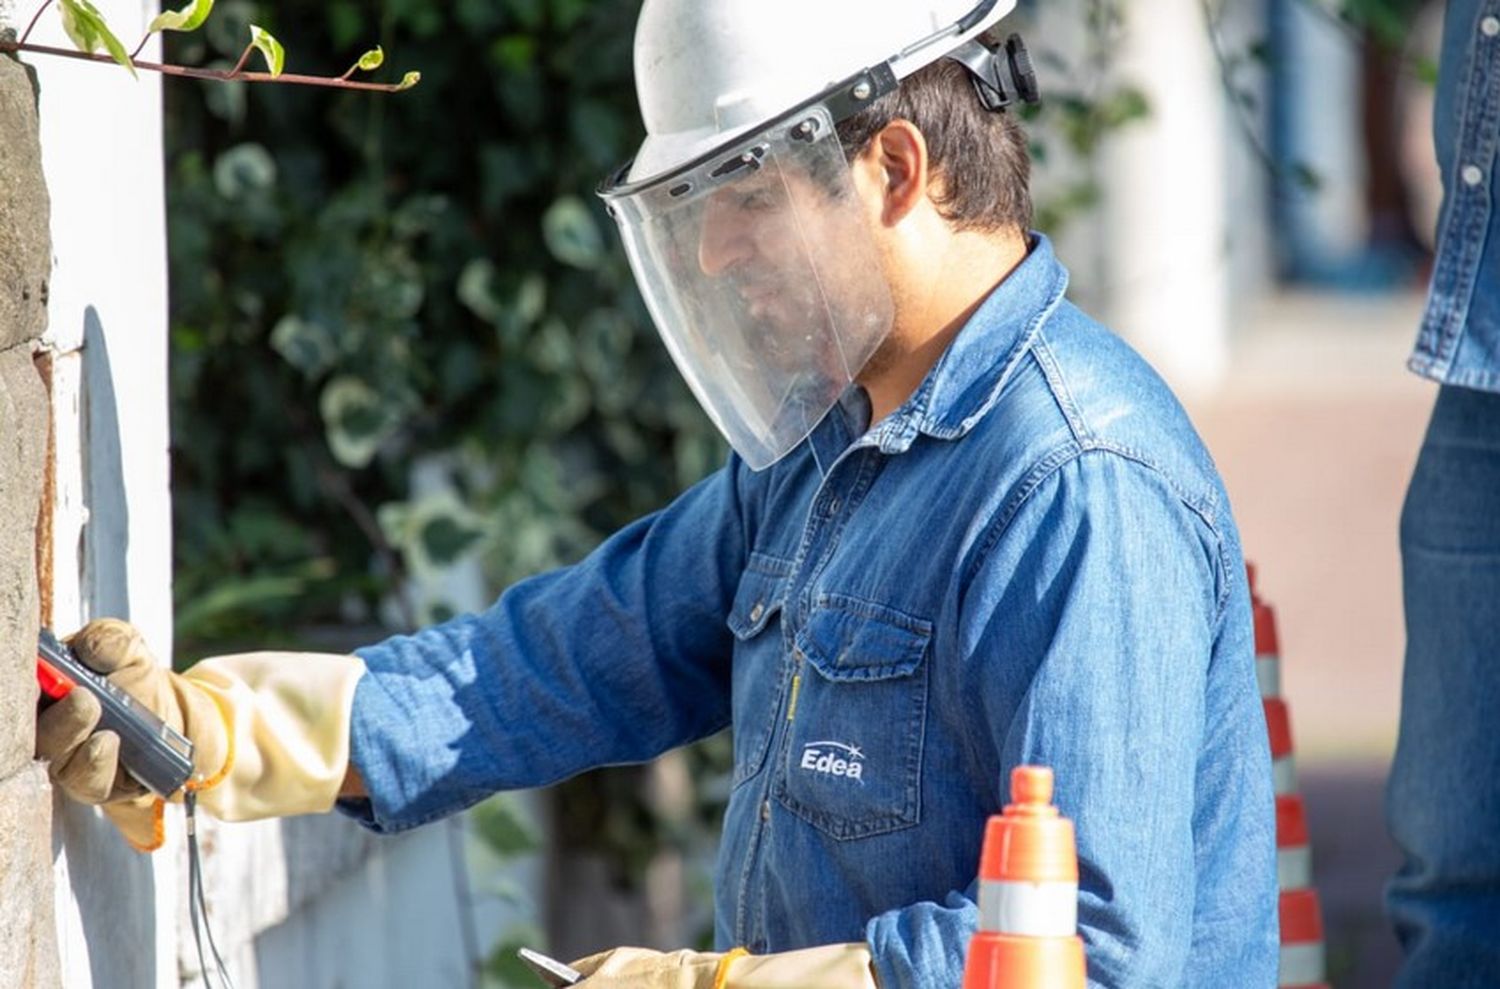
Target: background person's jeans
(1443,798)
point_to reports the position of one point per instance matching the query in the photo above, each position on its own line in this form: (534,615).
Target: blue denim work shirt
(1459,342)
(1031,561)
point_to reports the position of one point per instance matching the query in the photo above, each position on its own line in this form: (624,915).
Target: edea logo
(834,759)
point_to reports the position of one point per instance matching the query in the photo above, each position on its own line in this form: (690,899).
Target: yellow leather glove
(270,731)
(832,966)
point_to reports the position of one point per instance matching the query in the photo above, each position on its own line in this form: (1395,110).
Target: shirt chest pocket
(856,719)
(757,682)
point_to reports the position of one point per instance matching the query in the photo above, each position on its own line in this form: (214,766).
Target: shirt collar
(967,380)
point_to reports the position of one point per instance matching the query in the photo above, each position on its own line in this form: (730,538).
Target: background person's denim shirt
(1032,560)
(1459,343)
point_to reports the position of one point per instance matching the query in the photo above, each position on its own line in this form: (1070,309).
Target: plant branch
(1228,81)
(34,18)
(244,57)
(140,47)
(336,485)
(190,72)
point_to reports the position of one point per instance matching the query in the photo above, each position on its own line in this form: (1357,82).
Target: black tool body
(150,749)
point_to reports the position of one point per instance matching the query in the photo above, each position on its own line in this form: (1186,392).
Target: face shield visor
(760,271)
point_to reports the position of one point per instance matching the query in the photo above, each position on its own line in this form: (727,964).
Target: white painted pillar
(101,153)
(1163,212)
(1323,131)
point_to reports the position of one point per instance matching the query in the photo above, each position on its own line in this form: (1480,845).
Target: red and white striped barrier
(1303,958)
(1267,643)
(1279,727)
(1293,849)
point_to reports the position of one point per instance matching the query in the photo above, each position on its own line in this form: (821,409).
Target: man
(1441,800)
(1005,545)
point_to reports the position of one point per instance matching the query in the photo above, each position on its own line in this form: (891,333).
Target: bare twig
(1227,80)
(244,57)
(336,486)
(142,46)
(34,18)
(190,72)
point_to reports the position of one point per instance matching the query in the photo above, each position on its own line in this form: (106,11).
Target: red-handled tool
(151,750)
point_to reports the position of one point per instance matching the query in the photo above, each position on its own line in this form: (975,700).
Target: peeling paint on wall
(28,946)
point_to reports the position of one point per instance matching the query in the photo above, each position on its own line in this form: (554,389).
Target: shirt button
(1472,175)
(757,611)
(1490,26)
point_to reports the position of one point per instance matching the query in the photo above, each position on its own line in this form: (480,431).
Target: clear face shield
(760,271)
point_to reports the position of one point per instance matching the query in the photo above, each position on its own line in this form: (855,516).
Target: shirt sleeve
(1090,628)
(614,660)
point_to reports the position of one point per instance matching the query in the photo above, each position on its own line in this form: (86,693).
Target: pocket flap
(762,587)
(850,639)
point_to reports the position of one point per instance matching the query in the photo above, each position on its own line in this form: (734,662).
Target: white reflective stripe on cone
(1284,776)
(1301,964)
(1268,673)
(1030,909)
(1294,867)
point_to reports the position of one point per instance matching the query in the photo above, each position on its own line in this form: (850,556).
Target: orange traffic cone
(1028,895)
(1279,727)
(1303,961)
(1267,643)
(1293,853)
(1303,956)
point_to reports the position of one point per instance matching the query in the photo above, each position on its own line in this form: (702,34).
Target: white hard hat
(707,71)
(739,215)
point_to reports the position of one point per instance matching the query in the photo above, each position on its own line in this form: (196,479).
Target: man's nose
(723,243)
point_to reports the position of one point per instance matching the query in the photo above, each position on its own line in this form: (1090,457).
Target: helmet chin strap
(1001,77)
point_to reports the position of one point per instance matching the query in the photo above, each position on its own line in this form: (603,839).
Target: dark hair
(979,158)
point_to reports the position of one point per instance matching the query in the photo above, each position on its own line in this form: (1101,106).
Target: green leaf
(85,25)
(369,61)
(502,824)
(356,420)
(1307,178)
(476,289)
(270,48)
(244,168)
(409,80)
(445,539)
(307,345)
(189,18)
(572,235)
(434,533)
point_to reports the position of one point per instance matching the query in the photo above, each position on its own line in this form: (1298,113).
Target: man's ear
(894,168)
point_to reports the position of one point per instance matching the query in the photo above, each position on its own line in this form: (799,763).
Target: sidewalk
(1316,432)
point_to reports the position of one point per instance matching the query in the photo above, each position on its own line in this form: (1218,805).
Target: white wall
(282,895)
(101,139)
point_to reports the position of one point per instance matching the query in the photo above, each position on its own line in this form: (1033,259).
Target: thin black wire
(197,903)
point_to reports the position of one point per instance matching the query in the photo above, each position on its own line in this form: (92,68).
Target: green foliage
(361,283)
(356,286)
(189,18)
(370,60)
(269,48)
(1388,22)
(86,28)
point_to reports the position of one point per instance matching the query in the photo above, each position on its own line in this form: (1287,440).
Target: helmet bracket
(1000,77)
